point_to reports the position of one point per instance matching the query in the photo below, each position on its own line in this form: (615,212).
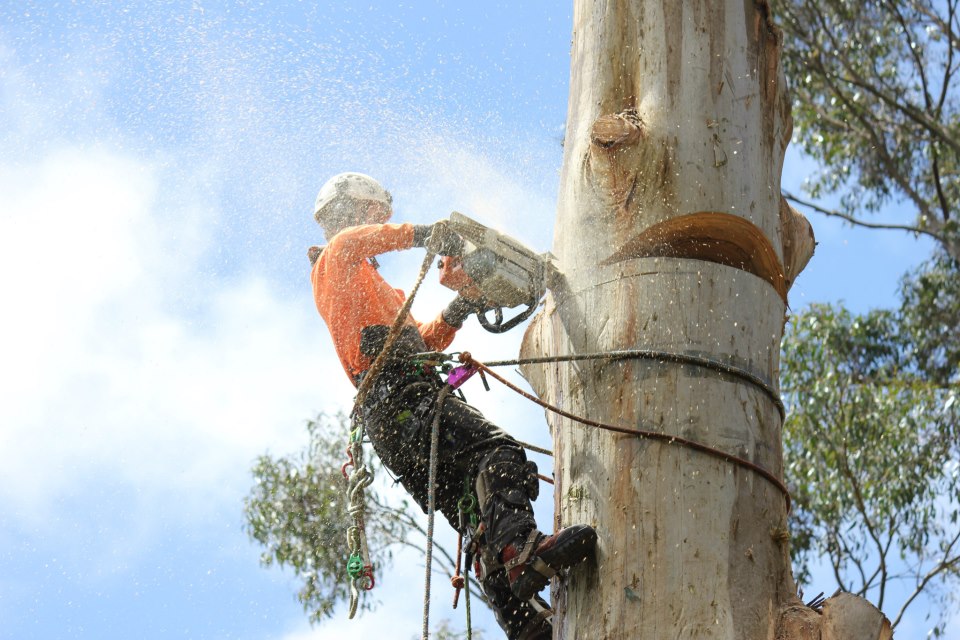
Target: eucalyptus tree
(873,456)
(875,102)
(672,244)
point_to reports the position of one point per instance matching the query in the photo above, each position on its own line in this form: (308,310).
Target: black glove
(443,240)
(459,309)
(421,233)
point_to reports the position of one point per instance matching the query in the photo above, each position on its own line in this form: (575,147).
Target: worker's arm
(369,240)
(439,333)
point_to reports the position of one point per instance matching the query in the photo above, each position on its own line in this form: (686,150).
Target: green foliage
(875,103)
(872,444)
(297,511)
(931,318)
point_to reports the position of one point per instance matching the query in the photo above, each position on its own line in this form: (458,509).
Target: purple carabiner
(458,375)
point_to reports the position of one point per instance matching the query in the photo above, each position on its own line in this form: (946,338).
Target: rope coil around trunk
(468,359)
(661,356)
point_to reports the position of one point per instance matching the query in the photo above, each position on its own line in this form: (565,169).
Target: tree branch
(878,143)
(928,102)
(936,19)
(909,110)
(862,508)
(848,552)
(854,78)
(855,221)
(947,71)
(939,568)
(835,560)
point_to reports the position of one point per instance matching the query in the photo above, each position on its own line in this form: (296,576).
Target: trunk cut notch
(711,236)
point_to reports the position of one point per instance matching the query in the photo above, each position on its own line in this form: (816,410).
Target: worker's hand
(460,309)
(443,240)
(314,253)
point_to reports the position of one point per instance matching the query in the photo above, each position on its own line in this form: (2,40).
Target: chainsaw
(495,271)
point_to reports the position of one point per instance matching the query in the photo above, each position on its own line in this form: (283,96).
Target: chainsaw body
(496,270)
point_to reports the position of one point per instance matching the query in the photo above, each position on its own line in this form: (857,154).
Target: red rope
(466,358)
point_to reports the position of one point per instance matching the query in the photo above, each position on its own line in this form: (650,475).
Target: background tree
(297,511)
(930,317)
(875,102)
(873,455)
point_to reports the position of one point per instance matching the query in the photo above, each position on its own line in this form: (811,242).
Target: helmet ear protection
(349,199)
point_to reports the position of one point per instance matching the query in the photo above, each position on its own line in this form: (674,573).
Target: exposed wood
(617,130)
(798,622)
(711,236)
(844,616)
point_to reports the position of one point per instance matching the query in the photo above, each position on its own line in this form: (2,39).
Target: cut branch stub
(614,142)
(712,236)
(845,616)
(849,617)
(614,130)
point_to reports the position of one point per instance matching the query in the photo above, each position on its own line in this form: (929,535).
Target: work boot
(530,562)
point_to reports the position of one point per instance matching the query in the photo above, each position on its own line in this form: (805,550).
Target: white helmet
(345,198)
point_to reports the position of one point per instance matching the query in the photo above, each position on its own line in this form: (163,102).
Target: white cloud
(107,375)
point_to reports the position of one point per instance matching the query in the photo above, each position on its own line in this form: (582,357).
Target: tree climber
(359,307)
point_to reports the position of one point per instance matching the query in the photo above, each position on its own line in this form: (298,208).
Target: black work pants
(398,418)
(398,414)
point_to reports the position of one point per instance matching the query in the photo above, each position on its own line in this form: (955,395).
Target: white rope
(432,503)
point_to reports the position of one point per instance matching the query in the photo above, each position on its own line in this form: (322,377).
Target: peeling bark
(798,241)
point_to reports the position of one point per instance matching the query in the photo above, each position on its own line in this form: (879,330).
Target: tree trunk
(670,236)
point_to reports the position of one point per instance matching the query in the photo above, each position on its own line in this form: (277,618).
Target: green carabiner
(355,566)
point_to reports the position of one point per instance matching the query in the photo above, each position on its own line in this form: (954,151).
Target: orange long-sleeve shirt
(351,295)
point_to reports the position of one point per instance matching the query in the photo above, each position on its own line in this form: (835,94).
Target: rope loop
(466,358)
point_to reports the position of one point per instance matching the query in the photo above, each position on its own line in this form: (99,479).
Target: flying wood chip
(711,236)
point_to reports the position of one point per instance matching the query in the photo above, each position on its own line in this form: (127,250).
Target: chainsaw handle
(498,325)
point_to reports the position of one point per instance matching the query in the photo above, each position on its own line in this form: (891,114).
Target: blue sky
(158,164)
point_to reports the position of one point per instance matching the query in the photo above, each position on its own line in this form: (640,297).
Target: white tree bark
(677,109)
